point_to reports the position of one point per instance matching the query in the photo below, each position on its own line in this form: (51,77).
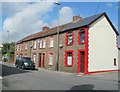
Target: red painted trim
(78,63)
(103,71)
(87,49)
(85,29)
(86,52)
(66,36)
(49,58)
(65,59)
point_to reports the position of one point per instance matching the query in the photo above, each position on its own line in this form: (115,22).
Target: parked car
(24,63)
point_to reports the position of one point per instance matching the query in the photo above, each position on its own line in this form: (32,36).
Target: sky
(24,18)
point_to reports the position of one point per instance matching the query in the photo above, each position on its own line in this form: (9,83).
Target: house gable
(102,47)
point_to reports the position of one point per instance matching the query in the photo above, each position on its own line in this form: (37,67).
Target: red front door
(81,61)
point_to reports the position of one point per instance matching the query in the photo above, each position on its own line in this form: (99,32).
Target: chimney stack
(45,28)
(76,18)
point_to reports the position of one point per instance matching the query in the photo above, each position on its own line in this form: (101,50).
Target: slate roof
(66,27)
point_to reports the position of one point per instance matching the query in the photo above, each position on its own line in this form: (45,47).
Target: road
(17,79)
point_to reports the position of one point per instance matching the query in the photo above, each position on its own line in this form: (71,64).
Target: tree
(8,48)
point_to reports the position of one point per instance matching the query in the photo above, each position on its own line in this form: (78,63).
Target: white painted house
(103,46)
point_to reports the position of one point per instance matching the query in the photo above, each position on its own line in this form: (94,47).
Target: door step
(81,74)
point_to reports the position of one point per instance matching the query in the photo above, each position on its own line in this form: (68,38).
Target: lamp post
(8,35)
(57,54)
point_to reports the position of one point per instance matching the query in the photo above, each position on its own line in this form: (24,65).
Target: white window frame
(34,57)
(50,58)
(40,43)
(35,44)
(26,46)
(44,42)
(51,41)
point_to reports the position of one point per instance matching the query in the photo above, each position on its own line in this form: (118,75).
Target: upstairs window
(81,36)
(26,46)
(51,41)
(69,38)
(44,42)
(40,43)
(35,44)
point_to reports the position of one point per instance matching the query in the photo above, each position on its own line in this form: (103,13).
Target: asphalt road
(17,79)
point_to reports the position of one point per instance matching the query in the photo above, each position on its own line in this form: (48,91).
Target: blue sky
(22,19)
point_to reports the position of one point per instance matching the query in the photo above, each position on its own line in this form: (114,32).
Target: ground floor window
(50,58)
(69,58)
(34,57)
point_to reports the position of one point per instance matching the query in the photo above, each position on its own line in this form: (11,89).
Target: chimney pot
(45,28)
(76,18)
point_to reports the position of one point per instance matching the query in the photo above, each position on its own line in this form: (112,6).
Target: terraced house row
(86,45)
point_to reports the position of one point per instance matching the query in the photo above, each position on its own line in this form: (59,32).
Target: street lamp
(57,54)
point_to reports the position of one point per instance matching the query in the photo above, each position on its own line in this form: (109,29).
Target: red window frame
(67,39)
(79,42)
(65,59)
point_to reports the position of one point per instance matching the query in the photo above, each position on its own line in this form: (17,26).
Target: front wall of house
(102,46)
(75,47)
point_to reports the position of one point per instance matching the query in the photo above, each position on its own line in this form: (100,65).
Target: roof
(88,21)
(66,27)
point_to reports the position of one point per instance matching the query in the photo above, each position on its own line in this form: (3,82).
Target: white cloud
(26,21)
(66,14)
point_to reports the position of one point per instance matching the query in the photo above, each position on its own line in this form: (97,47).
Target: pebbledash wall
(102,47)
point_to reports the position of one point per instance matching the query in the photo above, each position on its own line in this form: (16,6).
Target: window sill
(50,64)
(81,43)
(69,65)
(69,45)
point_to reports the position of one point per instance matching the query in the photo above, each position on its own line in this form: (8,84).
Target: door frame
(40,64)
(42,59)
(39,61)
(85,62)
